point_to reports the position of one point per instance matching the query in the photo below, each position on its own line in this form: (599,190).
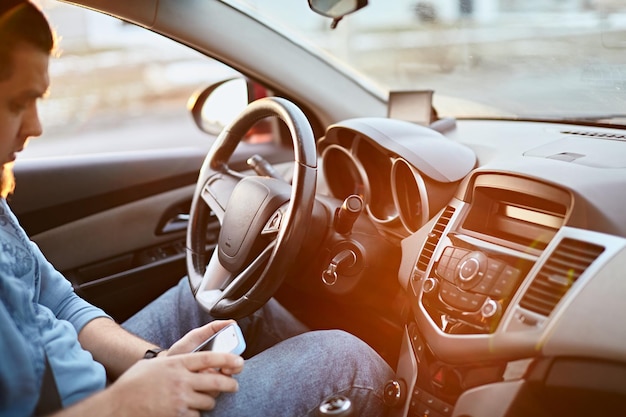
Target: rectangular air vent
(593,134)
(568,262)
(433,238)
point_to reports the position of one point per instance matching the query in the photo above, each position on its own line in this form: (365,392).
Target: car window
(118,87)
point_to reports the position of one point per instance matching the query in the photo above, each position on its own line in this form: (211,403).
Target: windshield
(556,60)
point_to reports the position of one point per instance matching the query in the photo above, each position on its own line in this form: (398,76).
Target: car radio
(471,288)
(493,242)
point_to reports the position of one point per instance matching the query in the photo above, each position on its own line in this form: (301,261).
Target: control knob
(470,269)
(490,308)
(394,393)
(429,285)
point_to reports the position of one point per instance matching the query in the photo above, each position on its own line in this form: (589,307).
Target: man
(58,351)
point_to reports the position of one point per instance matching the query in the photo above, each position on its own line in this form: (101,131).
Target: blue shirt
(39,312)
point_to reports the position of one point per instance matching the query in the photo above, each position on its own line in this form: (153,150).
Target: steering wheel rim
(244,270)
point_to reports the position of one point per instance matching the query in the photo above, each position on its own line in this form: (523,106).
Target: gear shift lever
(336,406)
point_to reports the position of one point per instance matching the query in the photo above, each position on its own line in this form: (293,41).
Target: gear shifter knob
(336,406)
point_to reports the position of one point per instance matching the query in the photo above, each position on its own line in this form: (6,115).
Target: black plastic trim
(50,217)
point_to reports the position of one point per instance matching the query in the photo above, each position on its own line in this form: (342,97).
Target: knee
(342,349)
(339,342)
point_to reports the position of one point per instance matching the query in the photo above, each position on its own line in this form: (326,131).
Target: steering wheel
(263,220)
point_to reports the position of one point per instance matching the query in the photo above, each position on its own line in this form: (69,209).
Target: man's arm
(111,345)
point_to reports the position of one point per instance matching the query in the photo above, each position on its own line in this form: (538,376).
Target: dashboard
(513,238)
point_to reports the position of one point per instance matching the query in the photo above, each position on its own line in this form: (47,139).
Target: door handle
(177,223)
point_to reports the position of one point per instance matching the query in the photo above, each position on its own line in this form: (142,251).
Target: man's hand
(196,336)
(178,385)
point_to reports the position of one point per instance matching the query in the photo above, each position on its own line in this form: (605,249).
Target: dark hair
(21,22)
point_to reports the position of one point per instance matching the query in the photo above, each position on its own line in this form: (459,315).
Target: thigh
(293,377)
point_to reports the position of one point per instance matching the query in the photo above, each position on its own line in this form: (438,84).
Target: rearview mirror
(336,9)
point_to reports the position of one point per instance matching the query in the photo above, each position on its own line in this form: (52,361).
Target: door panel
(51,192)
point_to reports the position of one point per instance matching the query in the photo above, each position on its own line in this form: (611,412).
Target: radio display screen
(521,218)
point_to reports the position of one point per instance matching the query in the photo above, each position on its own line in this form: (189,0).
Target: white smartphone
(229,339)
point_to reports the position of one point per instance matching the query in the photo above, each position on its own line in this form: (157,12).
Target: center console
(469,273)
(483,285)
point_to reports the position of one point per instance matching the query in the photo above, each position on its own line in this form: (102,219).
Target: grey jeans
(288,370)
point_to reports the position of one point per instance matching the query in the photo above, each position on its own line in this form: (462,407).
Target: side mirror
(214,107)
(336,9)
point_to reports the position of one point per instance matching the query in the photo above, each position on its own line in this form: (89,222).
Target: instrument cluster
(384,162)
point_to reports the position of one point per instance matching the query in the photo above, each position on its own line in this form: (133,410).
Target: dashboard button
(424,410)
(494,265)
(439,406)
(446,271)
(506,282)
(459,299)
(447,253)
(449,293)
(459,253)
(491,275)
(447,264)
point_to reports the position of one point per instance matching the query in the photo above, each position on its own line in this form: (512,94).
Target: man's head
(26,42)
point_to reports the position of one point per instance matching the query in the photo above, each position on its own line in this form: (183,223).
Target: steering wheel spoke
(217,191)
(214,279)
(219,284)
(242,280)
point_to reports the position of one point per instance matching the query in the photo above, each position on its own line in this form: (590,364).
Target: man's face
(19,119)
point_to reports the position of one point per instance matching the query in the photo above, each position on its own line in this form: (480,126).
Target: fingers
(230,371)
(212,383)
(201,361)
(206,384)
(200,401)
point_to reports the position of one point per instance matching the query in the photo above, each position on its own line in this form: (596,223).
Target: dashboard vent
(433,238)
(568,262)
(599,135)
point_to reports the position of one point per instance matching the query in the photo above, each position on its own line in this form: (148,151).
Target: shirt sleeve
(58,295)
